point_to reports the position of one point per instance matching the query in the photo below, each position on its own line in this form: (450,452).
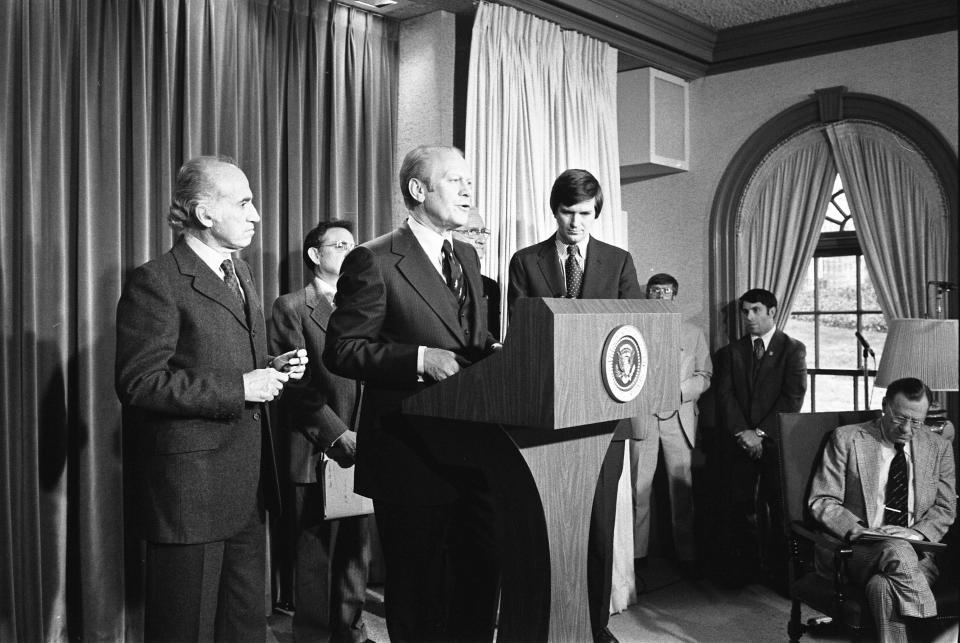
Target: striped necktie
(895,499)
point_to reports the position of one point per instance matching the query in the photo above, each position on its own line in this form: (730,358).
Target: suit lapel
(320,307)
(923,465)
(868,454)
(253,312)
(549,265)
(594,275)
(206,282)
(419,272)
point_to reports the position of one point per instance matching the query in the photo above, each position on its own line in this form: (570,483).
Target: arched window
(768,229)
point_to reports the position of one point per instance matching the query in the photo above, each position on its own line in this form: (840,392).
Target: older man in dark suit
(573,264)
(332,556)
(760,375)
(889,477)
(410,312)
(193,374)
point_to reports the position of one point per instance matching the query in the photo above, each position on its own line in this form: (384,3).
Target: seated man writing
(889,477)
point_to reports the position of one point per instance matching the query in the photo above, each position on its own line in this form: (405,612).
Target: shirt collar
(324,288)
(430,240)
(766,337)
(562,247)
(210,256)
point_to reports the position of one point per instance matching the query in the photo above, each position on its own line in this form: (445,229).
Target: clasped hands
(750,442)
(264,384)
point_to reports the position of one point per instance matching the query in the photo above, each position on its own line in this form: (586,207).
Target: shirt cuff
(420,351)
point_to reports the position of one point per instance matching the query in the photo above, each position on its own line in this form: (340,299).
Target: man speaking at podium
(574,265)
(410,312)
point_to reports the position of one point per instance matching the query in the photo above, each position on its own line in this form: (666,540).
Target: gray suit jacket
(183,345)
(846,482)
(319,408)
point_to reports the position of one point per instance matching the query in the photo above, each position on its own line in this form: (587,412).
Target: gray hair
(194,184)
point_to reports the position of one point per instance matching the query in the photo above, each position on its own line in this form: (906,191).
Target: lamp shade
(921,348)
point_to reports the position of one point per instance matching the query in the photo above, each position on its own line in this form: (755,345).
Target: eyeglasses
(660,290)
(914,423)
(340,245)
(473,233)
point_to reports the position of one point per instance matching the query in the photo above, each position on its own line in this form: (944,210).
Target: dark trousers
(332,564)
(600,544)
(442,571)
(209,591)
(754,545)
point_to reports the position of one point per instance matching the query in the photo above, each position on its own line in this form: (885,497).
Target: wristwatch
(760,433)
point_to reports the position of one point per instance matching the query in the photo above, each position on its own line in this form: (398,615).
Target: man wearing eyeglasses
(676,434)
(889,477)
(332,557)
(476,234)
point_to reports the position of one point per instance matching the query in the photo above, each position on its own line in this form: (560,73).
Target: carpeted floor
(670,608)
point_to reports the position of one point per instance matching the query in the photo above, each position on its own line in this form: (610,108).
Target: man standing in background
(677,435)
(193,374)
(476,234)
(573,264)
(760,375)
(332,556)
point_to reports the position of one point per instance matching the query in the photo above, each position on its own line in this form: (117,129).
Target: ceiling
(715,14)
(693,38)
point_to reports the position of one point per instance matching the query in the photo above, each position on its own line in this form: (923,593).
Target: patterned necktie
(895,500)
(757,350)
(574,271)
(453,273)
(230,278)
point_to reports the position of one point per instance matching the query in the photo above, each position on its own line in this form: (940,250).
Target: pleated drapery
(899,212)
(540,100)
(100,102)
(781,215)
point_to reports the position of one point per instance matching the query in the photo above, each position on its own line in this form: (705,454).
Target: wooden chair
(801,438)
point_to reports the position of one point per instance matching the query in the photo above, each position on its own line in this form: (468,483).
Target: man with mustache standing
(573,264)
(760,375)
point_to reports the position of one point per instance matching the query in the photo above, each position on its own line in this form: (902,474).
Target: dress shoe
(605,636)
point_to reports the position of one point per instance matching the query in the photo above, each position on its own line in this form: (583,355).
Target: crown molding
(830,29)
(649,35)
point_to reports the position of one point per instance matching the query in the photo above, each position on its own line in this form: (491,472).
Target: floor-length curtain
(539,100)
(899,212)
(100,102)
(780,217)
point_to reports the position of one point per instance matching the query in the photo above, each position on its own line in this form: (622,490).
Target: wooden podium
(536,418)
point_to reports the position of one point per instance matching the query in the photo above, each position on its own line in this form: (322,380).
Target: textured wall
(669,216)
(425,93)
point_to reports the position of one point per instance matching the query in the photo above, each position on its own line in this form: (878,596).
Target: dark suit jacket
(319,408)
(390,300)
(745,401)
(608,274)
(183,345)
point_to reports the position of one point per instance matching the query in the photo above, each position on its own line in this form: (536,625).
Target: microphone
(866,346)
(943,285)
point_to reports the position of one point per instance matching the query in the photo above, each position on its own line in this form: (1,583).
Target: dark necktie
(230,278)
(895,500)
(757,350)
(574,271)
(453,273)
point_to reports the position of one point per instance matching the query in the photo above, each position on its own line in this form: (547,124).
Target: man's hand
(440,364)
(293,363)
(344,450)
(263,384)
(750,442)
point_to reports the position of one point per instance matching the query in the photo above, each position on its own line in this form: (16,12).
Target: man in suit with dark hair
(410,312)
(332,556)
(573,264)
(889,477)
(193,374)
(760,375)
